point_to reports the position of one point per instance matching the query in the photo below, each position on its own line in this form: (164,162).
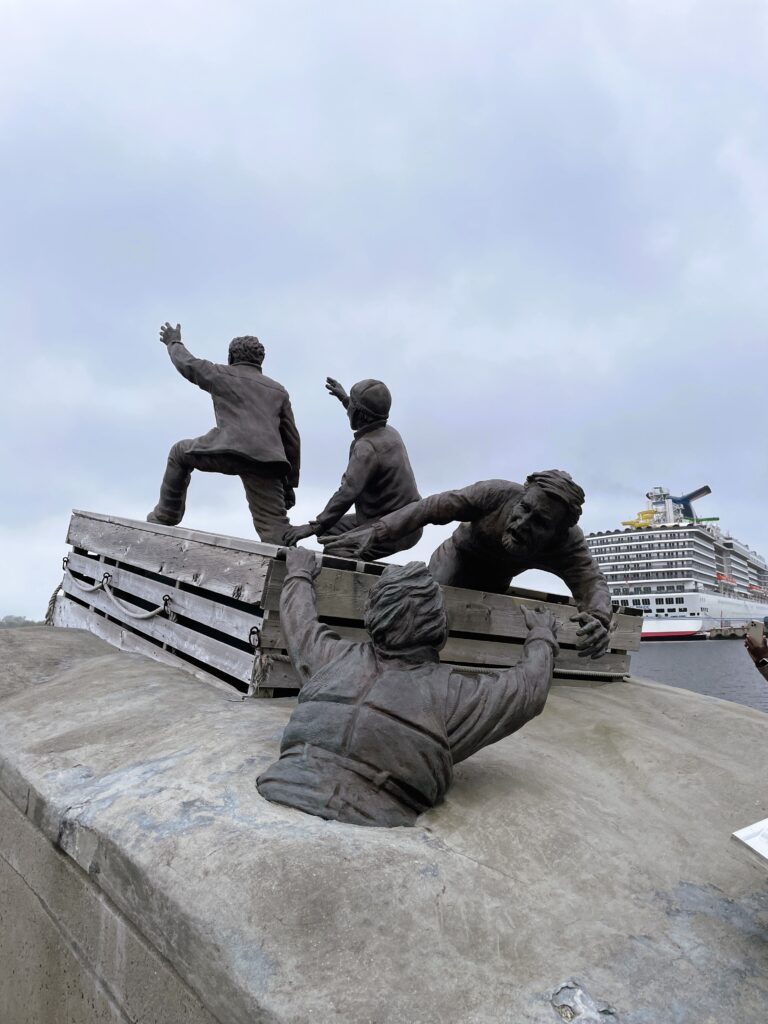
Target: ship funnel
(685,500)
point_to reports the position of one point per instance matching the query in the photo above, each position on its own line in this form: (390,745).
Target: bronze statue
(255,436)
(378,478)
(505,528)
(380,725)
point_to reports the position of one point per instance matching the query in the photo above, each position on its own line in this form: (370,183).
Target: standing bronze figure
(505,528)
(380,725)
(378,478)
(255,436)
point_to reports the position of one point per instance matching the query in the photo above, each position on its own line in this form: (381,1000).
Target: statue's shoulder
(386,435)
(269,382)
(503,490)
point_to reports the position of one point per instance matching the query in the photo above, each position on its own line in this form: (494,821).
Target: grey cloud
(544,226)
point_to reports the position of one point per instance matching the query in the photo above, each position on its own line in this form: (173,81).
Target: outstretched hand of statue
(592,639)
(335,389)
(298,560)
(296,533)
(353,544)
(169,334)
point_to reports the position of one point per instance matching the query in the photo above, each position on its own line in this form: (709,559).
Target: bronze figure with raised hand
(378,479)
(255,436)
(505,528)
(380,724)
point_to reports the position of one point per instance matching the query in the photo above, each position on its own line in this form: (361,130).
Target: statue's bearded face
(536,520)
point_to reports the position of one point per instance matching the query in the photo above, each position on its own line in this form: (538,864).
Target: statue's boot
(155,517)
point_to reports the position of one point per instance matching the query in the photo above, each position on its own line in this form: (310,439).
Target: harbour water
(718,668)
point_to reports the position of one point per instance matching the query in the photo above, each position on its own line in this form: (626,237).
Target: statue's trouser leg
(173,489)
(342,526)
(266,500)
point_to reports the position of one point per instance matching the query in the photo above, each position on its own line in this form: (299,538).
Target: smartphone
(756,632)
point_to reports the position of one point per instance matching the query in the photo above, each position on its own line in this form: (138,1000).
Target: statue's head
(247,349)
(369,400)
(548,507)
(405,609)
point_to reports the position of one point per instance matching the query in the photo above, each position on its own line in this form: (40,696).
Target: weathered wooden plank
(237,572)
(220,655)
(69,614)
(232,621)
(220,540)
(465,651)
(342,595)
(280,676)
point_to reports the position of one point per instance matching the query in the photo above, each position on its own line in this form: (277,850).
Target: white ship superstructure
(684,573)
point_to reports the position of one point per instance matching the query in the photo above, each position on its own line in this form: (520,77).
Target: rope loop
(104,584)
(88,588)
(127,609)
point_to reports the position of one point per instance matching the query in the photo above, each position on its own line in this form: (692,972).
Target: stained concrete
(591,849)
(67,954)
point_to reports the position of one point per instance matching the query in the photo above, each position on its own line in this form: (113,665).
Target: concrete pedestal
(143,879)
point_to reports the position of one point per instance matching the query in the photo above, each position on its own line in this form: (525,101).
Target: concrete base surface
(581,869)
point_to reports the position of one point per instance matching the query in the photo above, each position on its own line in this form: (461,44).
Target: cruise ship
(683,572)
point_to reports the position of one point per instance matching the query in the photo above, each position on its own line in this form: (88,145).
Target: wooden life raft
(209,604)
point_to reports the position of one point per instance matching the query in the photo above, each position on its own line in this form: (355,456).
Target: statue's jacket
(374,736)
(378,478)
(254,419)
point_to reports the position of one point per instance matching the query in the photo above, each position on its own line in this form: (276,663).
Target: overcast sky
(543,224)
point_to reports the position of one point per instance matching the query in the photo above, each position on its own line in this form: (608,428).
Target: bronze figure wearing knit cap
(378,478)
(505,528)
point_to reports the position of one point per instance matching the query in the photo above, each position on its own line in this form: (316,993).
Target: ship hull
(675,629)
(706,612)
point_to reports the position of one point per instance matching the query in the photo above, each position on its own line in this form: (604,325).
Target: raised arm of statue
(578,569)
(310,643)
(464,505)
(484,708)
(199,371)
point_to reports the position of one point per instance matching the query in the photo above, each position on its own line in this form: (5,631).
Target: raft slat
(207,612)
(71,615)
(342,595)
(206,649)
(466,651)
(203,560)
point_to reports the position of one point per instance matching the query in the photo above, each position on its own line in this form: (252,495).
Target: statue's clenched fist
(539,617)
(302,559)
(592,638)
